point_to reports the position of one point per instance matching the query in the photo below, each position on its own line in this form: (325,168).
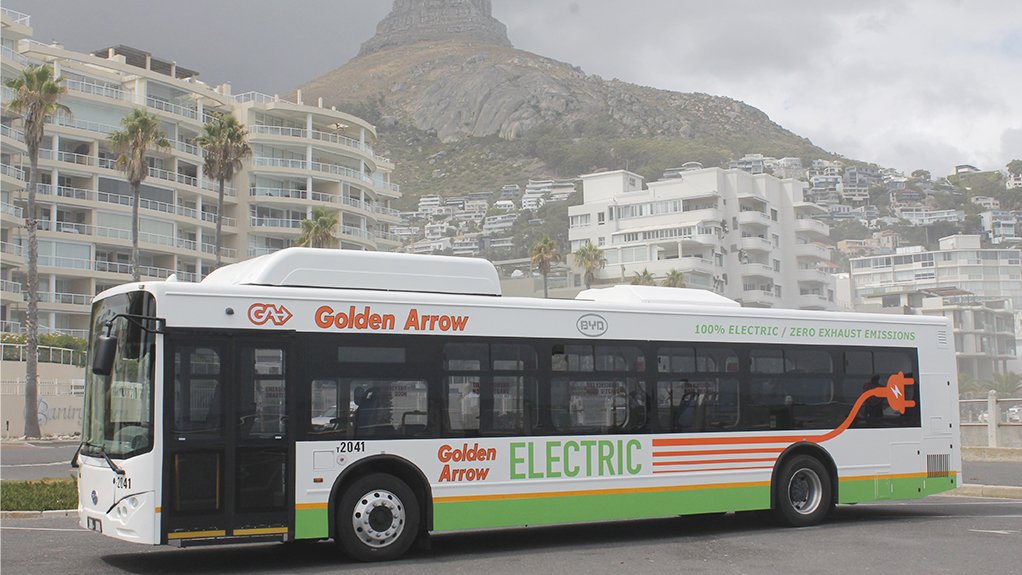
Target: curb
(999,491)
(35,514)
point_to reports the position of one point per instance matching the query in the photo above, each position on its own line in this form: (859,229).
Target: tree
(1015,167)
(223,143)
(544,254)
(36,96)
(1006,384)
(643,278)
(674,278)
(140,132)
(923,175)
(318,231)
(590,259)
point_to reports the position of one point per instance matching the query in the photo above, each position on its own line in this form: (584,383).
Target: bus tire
(802,492)
(377,518)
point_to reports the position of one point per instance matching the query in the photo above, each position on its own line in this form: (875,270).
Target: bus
(374,398)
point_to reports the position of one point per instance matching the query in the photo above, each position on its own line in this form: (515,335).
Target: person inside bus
(367,399)
(470,408)
(685,410)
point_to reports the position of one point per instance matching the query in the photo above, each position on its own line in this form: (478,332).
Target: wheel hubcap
(378,518)
(805,491)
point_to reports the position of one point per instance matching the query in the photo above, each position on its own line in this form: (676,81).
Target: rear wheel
(377,518)
(802,492)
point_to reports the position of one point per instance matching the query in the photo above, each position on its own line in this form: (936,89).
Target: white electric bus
(372,398)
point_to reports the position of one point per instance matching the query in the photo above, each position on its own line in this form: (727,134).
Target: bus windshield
(118,420)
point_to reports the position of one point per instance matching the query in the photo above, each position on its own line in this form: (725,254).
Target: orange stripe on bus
(717,452)
(714,461)
(310,506)
(714,469)
(551,494)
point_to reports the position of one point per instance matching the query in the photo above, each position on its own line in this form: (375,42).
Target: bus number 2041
(351,447)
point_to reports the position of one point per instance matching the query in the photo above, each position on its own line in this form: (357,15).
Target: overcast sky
(906,84)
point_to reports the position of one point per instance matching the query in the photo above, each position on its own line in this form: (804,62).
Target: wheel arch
(813,450)
(390,464)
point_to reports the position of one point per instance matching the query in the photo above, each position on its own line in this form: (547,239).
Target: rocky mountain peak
(412,21)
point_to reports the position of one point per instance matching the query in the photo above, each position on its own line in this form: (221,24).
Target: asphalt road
(934,535)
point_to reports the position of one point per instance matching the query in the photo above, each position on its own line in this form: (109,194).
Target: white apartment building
(960,267)
(1002,226)
(922,216)
(303,157)
(960,263)
(985,338)
(749,237)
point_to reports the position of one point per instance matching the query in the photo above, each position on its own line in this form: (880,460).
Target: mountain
(459,109)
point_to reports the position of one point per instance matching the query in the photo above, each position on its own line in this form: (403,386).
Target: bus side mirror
(106,351)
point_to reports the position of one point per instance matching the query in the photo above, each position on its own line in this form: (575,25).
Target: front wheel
(802,492)
(377,518)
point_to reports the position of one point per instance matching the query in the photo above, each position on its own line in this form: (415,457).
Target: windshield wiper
(109,461)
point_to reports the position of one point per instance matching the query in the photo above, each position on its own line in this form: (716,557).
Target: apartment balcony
(10,288)
(690,265)
(812,250)
(124,268)
(756,243)
(754,218)
(756,270)
(57,300)
(335,140)
(101,90)
(811,226)
(18,58)
(145,239)
(814,275)
(12,213)
(280,224)
(189,112)
(758,298)
(14,135)
(813,302)
(701,240)
(12,172)
(13,253)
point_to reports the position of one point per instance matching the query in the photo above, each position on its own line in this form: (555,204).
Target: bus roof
(350,269)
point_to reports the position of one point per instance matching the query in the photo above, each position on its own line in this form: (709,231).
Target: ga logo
(260,313)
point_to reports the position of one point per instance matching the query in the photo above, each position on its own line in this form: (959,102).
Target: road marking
(995,531)
(44,529)
(34,464)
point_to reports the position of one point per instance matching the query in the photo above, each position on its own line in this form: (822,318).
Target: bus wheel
(377,518)
(802,492)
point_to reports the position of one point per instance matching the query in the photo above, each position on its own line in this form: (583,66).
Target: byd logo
(260,313)
(591,325)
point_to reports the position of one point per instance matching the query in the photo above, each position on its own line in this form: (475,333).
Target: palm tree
(223,143)
(36,96)
(643,279)
(544,255)
(674,279)
(1007,385)
(318,231)
(590,258)
(141,131)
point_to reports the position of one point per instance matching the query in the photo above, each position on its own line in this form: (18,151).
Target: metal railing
(47,388)
(18,17)
(98,89)
(167,106)
(46,354)
(1001,419)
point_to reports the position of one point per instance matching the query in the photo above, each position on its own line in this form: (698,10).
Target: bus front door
(227,442)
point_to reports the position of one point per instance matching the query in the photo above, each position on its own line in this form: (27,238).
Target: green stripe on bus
(599,507)
(312,523)
(882,488)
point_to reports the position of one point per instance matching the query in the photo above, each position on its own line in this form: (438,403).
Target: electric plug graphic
(895,392)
